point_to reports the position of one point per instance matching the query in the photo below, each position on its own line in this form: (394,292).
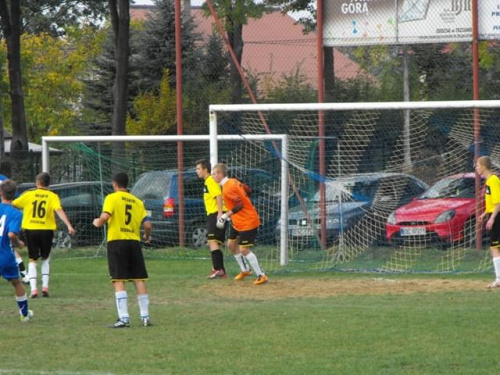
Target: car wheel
(197,236)
(61,239)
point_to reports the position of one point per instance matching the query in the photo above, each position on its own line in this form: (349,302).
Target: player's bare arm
(16,242)
(220,205)
(101,220)
(65,220)
(147,231)
(491,220)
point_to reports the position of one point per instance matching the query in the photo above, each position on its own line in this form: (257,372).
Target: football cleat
(34,294)
(211,276)
(262,279)
(28,317)
(494,284)
(45,292)
(146,322)
(242,275)
(219,274)
(120,324)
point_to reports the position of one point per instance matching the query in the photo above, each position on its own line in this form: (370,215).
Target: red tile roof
(274,45)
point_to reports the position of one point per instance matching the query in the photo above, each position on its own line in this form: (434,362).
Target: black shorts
(125,261)
(247,237)
(495,233)
(213,233)
(39,243)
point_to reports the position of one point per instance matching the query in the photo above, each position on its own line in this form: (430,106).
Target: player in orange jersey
(244,223)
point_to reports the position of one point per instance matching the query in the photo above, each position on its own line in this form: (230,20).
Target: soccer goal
(82,168)
(360,175)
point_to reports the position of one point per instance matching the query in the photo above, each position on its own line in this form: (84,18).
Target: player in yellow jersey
(214,206)
(39,207)
(491,212)
(125,214)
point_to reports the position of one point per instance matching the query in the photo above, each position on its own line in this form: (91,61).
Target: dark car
(445,214)
(158,190)
(348,200)
(82,202)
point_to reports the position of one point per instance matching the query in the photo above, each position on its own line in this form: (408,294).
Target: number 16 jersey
(127,214)
(39,207)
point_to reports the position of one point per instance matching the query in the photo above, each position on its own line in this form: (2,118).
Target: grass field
(305,323)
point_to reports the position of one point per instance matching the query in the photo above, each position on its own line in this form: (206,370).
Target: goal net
(399,185)
(82,169)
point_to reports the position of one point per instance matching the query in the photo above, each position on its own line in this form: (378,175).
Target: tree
(52,81)
(120,22)
(12,23)
(156,48)
(155,112)
(235,15)
(11,29)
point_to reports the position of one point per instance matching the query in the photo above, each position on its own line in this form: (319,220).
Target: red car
(445,213)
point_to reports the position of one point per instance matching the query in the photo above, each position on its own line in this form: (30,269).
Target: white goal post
(300,126)
(282,138)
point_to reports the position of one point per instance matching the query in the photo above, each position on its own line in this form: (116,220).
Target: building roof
(274,45)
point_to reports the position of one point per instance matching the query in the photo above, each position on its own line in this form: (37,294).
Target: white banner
(489,16)
(370,22)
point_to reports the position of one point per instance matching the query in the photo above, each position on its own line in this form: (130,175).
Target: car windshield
(152,186)
(451,188)
(358,191)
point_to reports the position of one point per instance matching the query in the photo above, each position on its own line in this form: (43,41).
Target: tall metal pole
(477,125)
(321,124)
(180,145)
(406,112)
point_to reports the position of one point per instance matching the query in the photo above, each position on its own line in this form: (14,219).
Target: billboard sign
(369,22)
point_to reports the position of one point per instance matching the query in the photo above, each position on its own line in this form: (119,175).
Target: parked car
(348,200)
(158,190)
(445,213)
(82,202)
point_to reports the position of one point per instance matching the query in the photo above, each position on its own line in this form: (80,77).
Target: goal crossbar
(356,106)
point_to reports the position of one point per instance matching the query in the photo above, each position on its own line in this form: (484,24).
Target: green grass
(199,331)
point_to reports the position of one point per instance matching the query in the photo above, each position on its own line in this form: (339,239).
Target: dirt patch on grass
(303,287)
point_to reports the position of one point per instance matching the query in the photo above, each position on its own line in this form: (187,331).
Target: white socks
(241,262)
(143,301)
(32,273)
(45,273)
(496,264)
(122,306)
(252,259)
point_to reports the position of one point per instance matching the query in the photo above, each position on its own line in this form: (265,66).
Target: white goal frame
(283,138)
(320,107)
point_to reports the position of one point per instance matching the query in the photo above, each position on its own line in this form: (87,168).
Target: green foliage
(156,48)
(98,90)
(55,16)
(293,87)
(155,112)
(237,12)
(215,68)
(52,71)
